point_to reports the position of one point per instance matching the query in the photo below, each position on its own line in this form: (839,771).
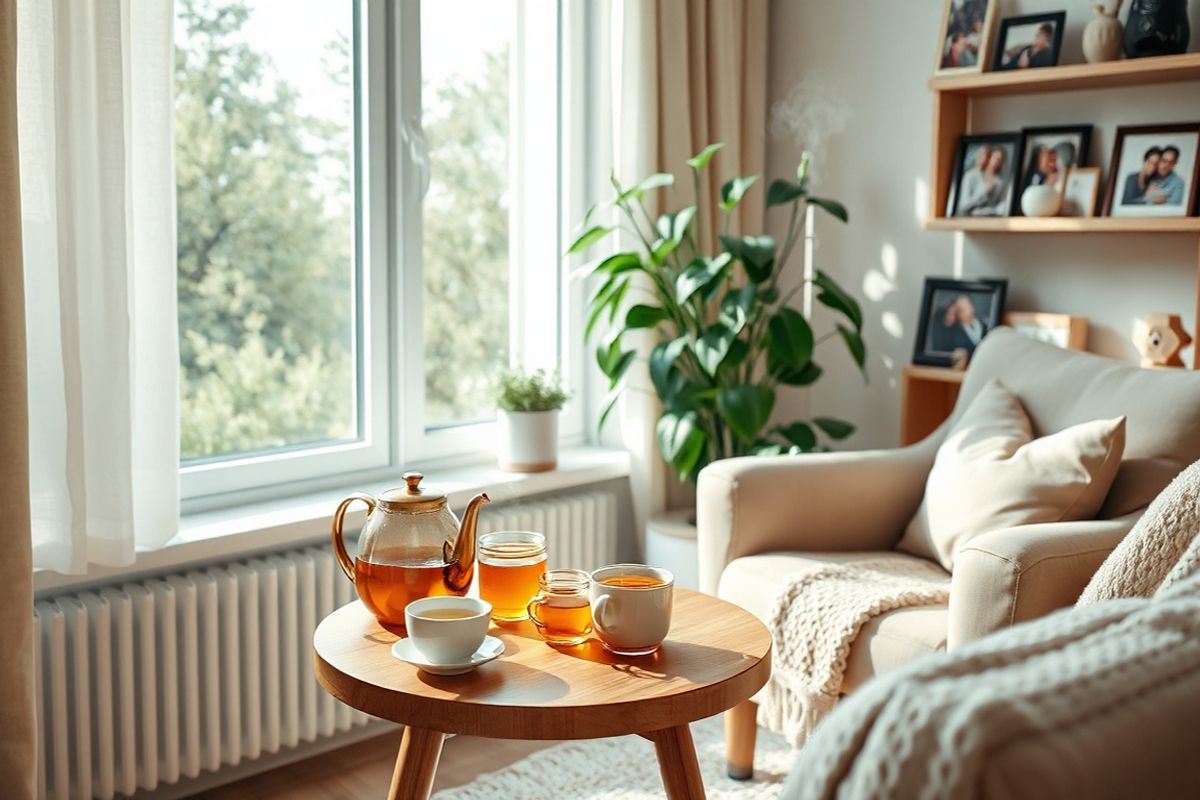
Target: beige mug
(631,607)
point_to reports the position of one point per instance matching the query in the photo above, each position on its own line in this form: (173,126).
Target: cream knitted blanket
(815,621)
(932,728)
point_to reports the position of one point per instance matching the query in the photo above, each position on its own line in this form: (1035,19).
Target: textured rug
(625,768)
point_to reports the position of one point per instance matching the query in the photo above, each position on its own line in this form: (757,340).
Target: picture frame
(978,187)
(1154,171)
(955,316)
(1048,154)
(1081,193)
(1062,330)
(964,43)
(1032,41)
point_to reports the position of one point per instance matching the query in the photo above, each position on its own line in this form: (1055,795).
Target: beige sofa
(759,518)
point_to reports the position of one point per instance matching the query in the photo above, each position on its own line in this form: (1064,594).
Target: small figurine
(1160,339)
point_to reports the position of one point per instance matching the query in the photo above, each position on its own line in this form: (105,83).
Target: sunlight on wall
(877,284)
(920,200)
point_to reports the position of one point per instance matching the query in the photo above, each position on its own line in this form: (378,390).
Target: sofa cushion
(887,641)
(991,474)
(1060,388)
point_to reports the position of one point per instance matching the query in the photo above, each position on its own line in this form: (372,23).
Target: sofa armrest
(822,501)
(1016,574)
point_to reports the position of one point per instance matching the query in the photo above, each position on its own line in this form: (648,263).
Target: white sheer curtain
(95,98)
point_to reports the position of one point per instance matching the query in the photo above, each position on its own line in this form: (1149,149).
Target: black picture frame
(1007,139)
(1000,59)
(939,295)
(1029,137)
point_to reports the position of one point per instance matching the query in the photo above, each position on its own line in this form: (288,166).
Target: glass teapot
(411,546)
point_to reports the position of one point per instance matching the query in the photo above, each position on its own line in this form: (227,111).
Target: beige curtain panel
(18,754)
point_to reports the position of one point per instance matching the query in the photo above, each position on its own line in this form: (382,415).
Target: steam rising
(809,116)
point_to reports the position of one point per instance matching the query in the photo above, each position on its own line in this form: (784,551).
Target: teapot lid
(411,497)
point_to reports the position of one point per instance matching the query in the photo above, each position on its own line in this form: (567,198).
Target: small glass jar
(562,611)
(510,564)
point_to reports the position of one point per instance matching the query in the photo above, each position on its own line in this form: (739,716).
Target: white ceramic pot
(1041,201)
(1102,36)
(528,441)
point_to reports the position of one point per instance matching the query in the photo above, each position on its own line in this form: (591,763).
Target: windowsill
(242,531)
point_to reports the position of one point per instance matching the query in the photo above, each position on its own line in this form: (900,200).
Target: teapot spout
(460,557)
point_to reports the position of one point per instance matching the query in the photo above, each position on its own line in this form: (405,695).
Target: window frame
(392,176)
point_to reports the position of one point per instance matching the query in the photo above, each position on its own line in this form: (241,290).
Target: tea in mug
(562,611)
(633,581)
(446,613)
(510,564)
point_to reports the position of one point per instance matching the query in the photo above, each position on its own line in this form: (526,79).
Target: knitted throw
(1138,565)
(928,729)
(815,621)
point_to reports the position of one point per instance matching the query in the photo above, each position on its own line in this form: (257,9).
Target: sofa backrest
(1060,388)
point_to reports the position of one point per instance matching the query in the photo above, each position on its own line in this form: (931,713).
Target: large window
(368,229)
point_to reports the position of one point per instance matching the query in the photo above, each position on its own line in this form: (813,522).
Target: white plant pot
(1041,201)
(528,441)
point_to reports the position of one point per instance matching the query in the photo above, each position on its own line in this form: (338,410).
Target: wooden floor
(364,770)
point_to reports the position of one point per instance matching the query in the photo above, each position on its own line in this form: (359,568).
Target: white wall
(874,57)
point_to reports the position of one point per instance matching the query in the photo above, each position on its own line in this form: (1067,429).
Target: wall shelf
(1065,224)
(953,96)
(1074,77)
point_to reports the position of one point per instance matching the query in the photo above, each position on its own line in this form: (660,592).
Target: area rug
(625,768)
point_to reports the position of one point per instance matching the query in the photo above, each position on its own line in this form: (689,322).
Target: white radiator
(142,684)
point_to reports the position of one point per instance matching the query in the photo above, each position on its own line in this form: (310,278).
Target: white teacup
(631,607)
(447,630)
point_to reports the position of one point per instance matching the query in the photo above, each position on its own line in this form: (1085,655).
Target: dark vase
(1157,28)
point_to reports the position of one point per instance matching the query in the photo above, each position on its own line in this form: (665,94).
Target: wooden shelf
(1065,224)
(938,374)
(1074,77)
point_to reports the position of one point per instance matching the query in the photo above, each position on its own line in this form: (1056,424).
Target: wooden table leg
(677,763)
(741,728)
(420,750)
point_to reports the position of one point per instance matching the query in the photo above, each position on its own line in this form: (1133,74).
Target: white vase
(528,440)
(1041,201)
(1102,36)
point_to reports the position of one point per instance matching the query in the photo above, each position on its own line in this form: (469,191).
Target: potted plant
(528,404)
(728,339)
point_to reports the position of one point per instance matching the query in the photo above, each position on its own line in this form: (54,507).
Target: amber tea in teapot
(411,547)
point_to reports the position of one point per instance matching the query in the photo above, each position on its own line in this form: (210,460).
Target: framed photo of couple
(1154,171)
(966,35)
(955,316)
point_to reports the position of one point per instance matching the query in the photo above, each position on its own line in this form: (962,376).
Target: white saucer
(491,649)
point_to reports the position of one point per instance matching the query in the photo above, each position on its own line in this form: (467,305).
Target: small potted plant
(528,404)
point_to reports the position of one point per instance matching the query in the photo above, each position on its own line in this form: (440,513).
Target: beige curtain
(17,743)
(687,73)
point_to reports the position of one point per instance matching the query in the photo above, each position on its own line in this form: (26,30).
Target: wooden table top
(716,656)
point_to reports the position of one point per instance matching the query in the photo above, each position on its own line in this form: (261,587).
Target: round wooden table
(716,656)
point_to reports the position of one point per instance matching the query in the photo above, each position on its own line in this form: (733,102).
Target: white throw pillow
(991,473)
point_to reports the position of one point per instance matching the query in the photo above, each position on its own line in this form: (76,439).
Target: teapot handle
(339,543)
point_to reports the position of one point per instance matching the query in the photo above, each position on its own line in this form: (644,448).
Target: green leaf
(832,206)
(701,159)
(802,377)
(736,307)
(781,192)
(609,294)
(699,274)
(768,450)
(800,434)
(589,238)
(854,343)
(680,439)
(791,338)
(712,347)
(757,254)
(662,362)
(673,227)
(735,189)
(834,428)
(644,316)
(610,402)
(612,360)
(834,296)
(655,181)
(746,409)
(615,264)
